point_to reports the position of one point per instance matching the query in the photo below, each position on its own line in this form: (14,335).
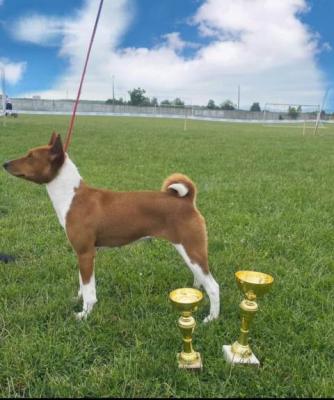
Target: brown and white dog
(95,218)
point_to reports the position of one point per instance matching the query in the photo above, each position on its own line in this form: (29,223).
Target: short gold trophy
(253,285)
(186,300)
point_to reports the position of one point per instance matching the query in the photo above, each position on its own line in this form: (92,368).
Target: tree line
(138,98)
(228,105)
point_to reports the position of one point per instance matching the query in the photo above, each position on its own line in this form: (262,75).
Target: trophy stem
(188,358)
(241,347)
(186,300)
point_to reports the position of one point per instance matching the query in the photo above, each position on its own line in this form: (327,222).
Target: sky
(278,51)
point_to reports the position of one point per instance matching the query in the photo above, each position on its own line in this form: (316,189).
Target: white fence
(42,106)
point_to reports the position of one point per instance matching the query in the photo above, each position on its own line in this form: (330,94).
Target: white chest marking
(62,189)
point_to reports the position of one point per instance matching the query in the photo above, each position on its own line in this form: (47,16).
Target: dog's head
(41,164)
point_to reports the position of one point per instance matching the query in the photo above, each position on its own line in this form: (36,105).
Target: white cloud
(260,44)
(13,71)
(327,47)
(38,29)
(175,42)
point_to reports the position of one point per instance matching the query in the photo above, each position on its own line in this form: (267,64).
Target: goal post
(302,116)
(321,109)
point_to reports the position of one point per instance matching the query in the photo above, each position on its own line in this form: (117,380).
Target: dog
(94,218)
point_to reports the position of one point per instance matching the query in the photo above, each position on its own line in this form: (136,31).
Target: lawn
(267,196)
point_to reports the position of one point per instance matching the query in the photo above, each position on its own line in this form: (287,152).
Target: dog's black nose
(5,164)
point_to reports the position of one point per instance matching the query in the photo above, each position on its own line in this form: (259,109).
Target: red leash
(70,129)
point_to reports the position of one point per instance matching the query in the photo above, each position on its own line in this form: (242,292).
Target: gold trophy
(252,284)
(186,300)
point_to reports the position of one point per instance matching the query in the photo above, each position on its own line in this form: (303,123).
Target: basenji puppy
(94,218)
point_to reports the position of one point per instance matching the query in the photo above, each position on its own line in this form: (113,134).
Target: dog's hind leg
(87,283)
(197,263)
(197,283)
(80,287)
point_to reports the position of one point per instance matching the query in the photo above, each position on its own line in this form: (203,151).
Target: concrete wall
(96,107)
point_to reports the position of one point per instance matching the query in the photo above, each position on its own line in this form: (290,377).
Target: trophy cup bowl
(186,301)
(253,285)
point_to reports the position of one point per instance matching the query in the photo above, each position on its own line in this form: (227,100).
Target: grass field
(267,195)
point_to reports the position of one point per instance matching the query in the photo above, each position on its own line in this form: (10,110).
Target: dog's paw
(81,316)
(209,318)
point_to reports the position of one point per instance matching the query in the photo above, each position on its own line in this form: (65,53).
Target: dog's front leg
(87,283)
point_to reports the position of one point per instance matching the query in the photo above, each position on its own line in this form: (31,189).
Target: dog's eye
(30,155)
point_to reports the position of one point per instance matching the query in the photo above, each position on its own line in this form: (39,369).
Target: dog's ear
(53,138)
(57,146)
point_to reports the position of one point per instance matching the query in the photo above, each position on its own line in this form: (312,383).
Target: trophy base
(194,365)
(233,358)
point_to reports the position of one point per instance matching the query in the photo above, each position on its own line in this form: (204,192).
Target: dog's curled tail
(181,186)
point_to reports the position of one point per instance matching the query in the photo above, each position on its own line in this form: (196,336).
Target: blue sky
(278,51)
(320,21)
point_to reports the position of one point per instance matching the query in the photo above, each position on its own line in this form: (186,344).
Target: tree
(227,105)
(117,102)
(255,107)
(165,103)
(211,105)
(178,102)
(154,102)
(293,112)
(137,97)
(146,102)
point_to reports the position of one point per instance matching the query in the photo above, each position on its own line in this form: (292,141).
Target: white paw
(81,316)
(209,318)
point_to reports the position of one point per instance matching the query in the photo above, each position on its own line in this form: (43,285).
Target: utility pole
(238,97)
(113,90)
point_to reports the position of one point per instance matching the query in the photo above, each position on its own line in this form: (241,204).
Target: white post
(185,118)
(238,97)
(320,110)
(3,77)
(3,90)
(317,122)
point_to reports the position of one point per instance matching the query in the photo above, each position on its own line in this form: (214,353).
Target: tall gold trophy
(253,285)
(186,300)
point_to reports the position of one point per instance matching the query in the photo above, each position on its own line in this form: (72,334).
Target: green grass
(267,196)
